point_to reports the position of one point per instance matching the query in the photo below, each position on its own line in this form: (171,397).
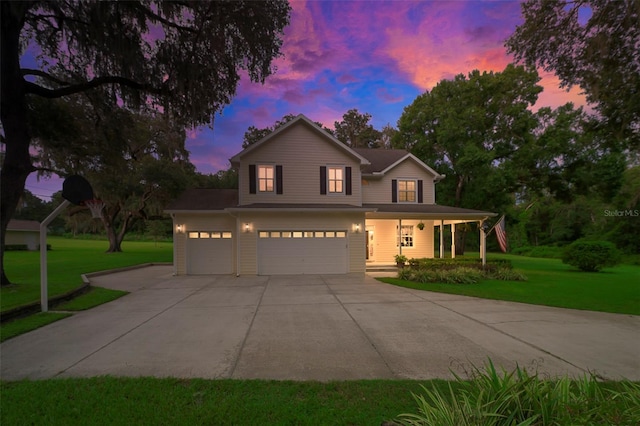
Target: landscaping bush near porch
(459,271)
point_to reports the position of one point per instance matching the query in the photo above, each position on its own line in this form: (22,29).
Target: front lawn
(552,283)
(67,260)
(172,401)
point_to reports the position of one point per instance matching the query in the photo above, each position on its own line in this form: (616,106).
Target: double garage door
(209,253)
(278,252)
(302,252)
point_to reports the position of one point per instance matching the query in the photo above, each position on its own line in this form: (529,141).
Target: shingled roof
(380,159)
(205,200)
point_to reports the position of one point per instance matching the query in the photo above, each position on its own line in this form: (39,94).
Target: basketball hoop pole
(44,301)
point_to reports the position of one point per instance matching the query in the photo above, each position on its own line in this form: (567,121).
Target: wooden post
(453,240)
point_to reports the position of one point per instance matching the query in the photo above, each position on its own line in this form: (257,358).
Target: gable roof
(204,199)
(300,119)
(23,225)
(383,160)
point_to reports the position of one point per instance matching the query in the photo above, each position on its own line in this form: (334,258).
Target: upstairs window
(265,178)
(336,180)
(407,191)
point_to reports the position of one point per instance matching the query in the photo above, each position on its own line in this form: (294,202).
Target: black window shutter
(347,184)
(252,178)
(420,191)
(394,191)
(278,179)
(323,180)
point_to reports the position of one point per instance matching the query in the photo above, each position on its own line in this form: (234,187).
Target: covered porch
(410,230)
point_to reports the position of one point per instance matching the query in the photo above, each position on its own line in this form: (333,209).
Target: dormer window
(265,178)
(407,191)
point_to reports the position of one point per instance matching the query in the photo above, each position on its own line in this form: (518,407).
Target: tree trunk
(115,238)
(114,242)
(17,162)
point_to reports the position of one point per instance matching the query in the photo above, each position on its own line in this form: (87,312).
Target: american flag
(501,233)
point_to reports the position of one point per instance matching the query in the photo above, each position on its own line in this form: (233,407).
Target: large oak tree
(594,44)
(469,129)
(184,57)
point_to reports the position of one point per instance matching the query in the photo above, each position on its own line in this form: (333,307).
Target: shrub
(405,274)
(523,398)
(449,264)
(504,274)
(591,256)
(458,271)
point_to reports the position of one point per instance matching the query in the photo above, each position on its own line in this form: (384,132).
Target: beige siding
(386,240)
(301,151)
(29,238)
(197,222)
(379,191)
(300,221)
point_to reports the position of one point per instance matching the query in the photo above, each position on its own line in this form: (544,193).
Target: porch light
(356,227)
(247,227)
(179,229)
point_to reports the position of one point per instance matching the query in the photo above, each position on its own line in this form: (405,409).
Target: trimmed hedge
(450,264)
(459,271)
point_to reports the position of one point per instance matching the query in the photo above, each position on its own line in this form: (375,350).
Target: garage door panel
(208,256)
(308,255)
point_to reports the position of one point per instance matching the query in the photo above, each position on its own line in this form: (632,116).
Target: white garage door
(209,253)
(302,252)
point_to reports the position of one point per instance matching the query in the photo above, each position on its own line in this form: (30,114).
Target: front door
(370,244)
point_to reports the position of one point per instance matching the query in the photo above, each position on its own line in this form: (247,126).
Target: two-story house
(309,204)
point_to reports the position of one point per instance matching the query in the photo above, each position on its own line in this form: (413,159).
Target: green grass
(23,325)
(94,297)
(67,260)
(172,401)
(150,401)
(553,283)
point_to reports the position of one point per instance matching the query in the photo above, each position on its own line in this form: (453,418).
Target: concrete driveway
(314,328)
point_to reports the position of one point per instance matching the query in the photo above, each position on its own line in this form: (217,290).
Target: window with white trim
(407,191)
(335,180)
(265,178)
(406,236)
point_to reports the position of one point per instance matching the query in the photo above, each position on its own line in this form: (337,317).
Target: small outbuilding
(23,233)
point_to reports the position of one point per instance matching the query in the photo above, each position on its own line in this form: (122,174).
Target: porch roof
(425,211)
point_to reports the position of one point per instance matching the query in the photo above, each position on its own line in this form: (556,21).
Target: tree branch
(39,73)
(154,16)
(83,87)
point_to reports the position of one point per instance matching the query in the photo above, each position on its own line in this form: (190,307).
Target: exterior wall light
(247,227)
(179,229)
(356,227)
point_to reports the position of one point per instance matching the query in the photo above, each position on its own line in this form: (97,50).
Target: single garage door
(209,252)
(302,252)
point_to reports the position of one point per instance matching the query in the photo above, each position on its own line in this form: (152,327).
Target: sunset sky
(375,56)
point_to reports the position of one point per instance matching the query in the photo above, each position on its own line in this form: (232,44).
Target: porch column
(483,245)
(399,236)
(442,239)
(453,240)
